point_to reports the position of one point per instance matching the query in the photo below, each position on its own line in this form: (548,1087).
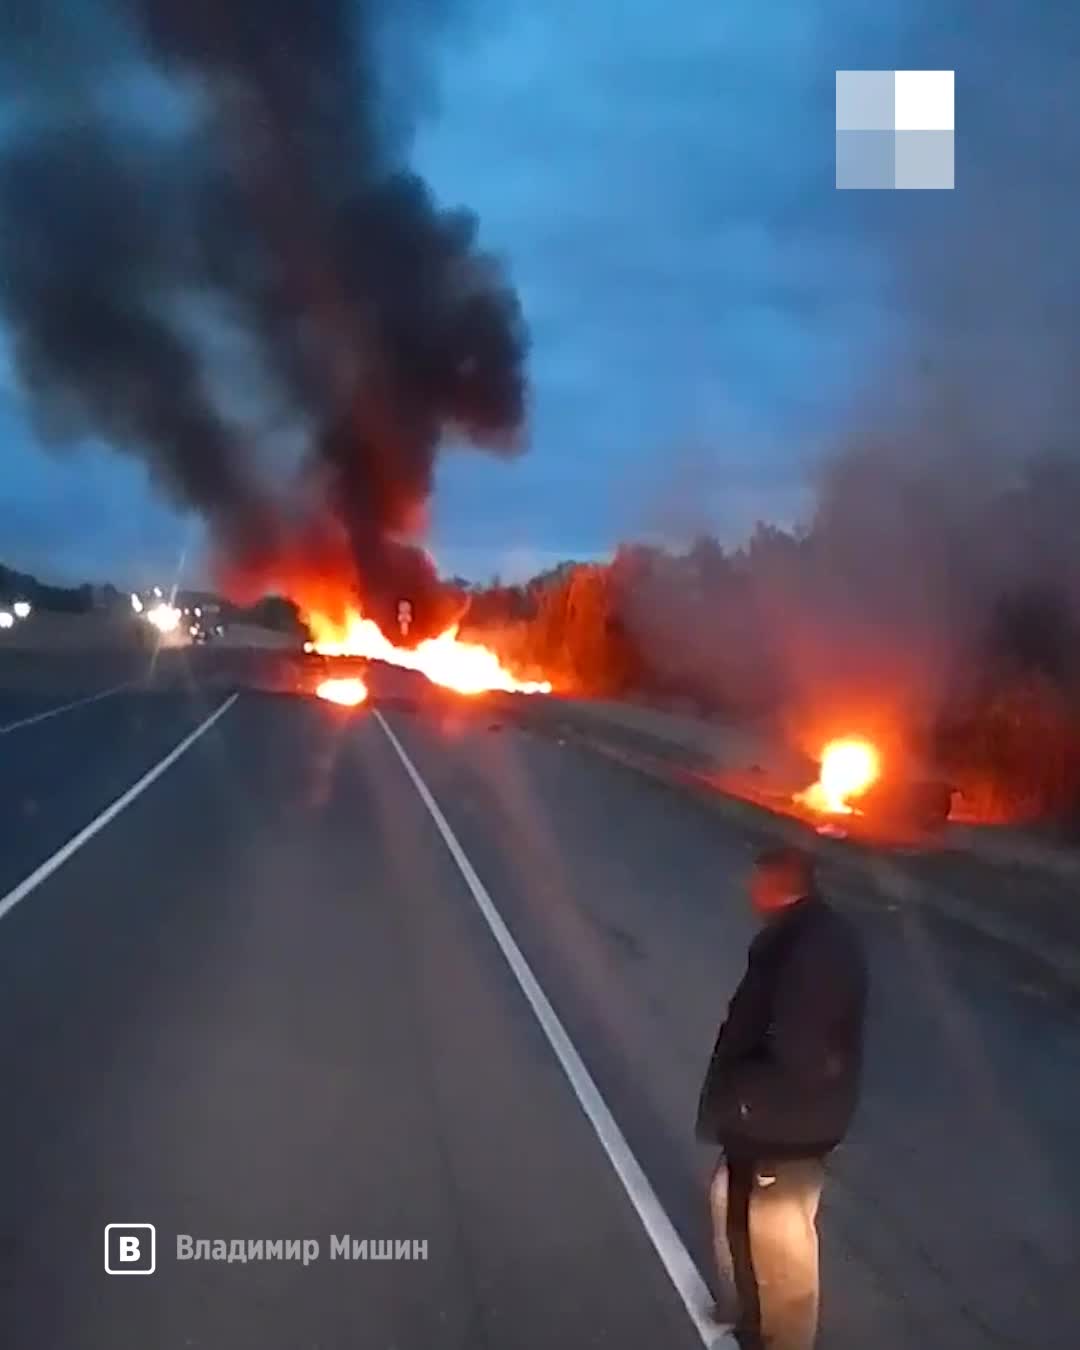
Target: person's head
(781,876)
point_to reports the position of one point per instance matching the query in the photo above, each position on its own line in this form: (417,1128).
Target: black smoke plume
(213,255)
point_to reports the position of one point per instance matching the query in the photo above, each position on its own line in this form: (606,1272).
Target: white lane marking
(64,707)
(677,1261)
(49,866)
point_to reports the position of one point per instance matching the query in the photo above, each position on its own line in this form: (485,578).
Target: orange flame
(466,667)
(349,693)
(849,767)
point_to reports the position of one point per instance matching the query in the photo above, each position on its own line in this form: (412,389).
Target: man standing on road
(779,1094)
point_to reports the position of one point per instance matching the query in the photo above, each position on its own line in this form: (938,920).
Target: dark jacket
(783,1080)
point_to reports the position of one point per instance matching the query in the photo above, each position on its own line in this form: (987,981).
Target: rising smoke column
(276,206)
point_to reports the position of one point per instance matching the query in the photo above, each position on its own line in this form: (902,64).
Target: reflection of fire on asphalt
(349,693)
(849,768)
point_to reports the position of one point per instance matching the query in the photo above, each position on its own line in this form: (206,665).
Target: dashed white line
(670,1248)
(64,707)
(50,865)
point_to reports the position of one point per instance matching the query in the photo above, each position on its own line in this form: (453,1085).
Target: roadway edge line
(57,860)
(64,707)
(669,1246)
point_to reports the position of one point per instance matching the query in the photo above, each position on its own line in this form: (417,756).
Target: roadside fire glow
(466,667)
(849,767)
(348,692)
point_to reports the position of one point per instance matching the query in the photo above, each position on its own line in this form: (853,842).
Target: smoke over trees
(213,255)
(935,586)
(944,623)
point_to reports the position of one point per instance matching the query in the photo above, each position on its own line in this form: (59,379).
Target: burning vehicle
(849,769)
(855,794)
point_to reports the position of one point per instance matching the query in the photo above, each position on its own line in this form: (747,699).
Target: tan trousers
(765,1239)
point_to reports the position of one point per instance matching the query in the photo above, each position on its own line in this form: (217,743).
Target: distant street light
(136,603)
(7,619)
(22,609)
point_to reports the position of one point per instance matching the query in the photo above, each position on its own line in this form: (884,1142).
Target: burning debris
(348,693)
(465,667)
(849,768)
(247,287)
(854,794)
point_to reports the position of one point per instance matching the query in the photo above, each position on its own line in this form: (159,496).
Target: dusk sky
(709,316)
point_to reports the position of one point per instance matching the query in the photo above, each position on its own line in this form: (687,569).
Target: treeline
(272,611)
(652,623)
(61,599)
(925,608)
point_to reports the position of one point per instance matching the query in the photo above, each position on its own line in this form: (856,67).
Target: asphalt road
(262,1002)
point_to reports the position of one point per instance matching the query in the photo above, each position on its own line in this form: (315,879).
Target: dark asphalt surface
(59,774)
(261,1003)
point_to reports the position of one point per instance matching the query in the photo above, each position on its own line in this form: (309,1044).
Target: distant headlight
(165,618)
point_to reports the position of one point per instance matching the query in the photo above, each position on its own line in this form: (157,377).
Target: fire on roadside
(466,667)
(850,766)
(349,693)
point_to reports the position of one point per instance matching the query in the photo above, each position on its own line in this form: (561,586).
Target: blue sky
(701,315)
(708,314)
